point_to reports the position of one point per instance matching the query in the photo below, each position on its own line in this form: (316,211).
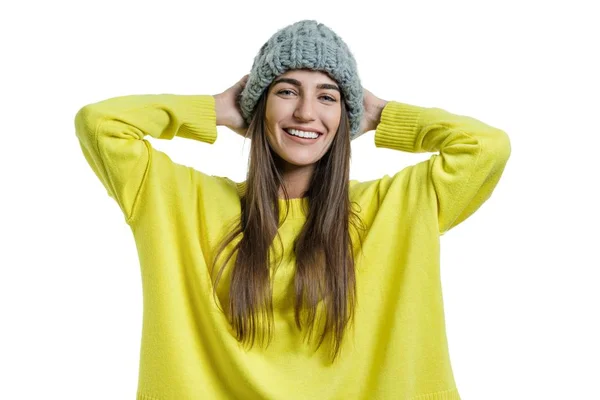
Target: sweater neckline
(298,207)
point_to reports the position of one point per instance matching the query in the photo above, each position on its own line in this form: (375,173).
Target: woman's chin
(298,160)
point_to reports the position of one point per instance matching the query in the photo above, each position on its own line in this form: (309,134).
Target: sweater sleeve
(472,155)
(111,135)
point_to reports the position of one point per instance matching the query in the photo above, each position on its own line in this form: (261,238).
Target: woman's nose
(304,110)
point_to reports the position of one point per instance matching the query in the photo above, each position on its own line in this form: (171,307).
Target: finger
(243,81)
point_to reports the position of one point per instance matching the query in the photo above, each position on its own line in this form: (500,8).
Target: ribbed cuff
(398,127)
(199,118)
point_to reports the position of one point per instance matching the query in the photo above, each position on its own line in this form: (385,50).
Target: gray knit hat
(311,45)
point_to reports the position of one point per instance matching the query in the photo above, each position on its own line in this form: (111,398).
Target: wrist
(220,110)
(375,112)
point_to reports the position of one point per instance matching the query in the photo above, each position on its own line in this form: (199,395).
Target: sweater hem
(143,396)
(451,394)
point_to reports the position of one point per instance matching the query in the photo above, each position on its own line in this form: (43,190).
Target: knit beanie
(310,45)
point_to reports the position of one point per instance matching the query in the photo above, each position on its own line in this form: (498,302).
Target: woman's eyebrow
(296,82)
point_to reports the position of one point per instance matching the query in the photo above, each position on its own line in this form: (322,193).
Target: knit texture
(311,45)
(396,348)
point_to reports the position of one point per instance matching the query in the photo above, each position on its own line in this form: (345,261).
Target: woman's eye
(287,91)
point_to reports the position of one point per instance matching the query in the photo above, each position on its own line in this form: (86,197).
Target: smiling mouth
(300,137)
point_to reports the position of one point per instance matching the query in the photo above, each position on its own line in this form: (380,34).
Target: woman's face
(308,101)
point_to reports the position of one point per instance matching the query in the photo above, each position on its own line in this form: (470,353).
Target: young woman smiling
(298,247)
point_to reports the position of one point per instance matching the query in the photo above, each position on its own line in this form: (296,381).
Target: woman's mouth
(300,139)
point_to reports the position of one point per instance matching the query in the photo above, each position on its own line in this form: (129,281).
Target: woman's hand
(372,115)
(227,109)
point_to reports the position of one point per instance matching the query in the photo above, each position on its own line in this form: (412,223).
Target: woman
(355,262)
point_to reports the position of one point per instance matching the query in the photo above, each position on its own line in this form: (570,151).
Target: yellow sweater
(397,347)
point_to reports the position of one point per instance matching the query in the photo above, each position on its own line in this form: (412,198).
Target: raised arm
(111,134)
(472,155)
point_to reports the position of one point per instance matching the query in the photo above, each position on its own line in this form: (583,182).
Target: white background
(520,276)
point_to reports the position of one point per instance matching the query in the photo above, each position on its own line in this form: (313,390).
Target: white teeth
(308,135)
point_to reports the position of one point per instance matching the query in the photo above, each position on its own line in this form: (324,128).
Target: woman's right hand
(227,109)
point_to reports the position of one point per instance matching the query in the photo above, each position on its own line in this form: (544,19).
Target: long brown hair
(324,249)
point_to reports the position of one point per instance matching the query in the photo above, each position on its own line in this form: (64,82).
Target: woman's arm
(111,135)
(472,155)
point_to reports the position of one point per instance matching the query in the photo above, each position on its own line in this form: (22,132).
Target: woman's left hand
(372,115)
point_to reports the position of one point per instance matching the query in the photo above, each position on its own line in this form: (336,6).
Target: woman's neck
(296,181)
